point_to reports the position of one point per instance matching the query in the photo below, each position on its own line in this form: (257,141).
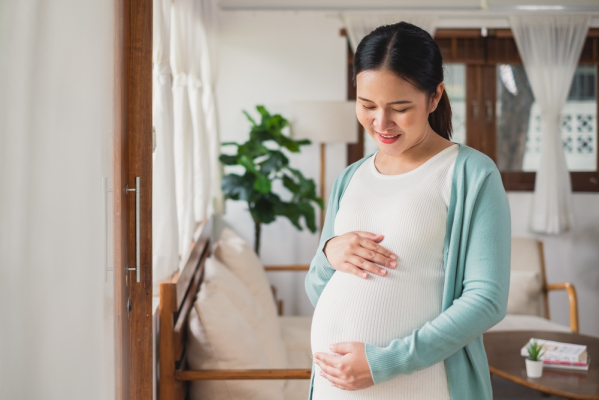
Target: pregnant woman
(414,259)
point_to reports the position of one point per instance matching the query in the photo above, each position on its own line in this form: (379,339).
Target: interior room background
(275,57)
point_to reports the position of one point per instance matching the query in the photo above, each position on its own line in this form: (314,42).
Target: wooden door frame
(133,158)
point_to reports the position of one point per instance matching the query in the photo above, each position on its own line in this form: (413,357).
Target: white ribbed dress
(410,209)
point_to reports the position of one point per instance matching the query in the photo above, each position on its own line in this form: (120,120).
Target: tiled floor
(506,390)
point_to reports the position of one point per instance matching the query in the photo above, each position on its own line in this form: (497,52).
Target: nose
(382,121)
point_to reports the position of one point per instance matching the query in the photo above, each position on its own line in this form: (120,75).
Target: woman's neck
(413,157)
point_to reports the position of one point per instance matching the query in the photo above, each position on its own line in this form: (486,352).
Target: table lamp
(324,122)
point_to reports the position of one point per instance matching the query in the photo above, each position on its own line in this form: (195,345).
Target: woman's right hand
(356,252)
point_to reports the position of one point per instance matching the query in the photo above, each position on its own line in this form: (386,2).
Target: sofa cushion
(267,330)
(241,259)
(225,332)
(525,293)
(528,323)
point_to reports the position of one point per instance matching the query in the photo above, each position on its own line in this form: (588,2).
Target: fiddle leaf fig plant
(264,162)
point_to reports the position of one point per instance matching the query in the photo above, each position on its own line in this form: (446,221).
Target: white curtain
(197,144)
(550,48)
(165,234)
(201,153)
(56,118)
(359,25)
(208,17)
(181,51)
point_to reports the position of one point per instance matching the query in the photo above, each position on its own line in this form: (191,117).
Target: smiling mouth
(388,136)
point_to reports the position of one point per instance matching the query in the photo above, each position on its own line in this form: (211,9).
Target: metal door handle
(474,110)
(137,191)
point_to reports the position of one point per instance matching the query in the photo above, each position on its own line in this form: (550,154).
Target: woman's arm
(320,269)
(482,303)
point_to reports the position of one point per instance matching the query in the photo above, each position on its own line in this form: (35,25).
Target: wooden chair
(176,301)
(528,258)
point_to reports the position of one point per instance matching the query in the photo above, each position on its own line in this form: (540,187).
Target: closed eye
(368,108)
(401,111)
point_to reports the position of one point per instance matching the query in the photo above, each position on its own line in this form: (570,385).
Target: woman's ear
(436,97)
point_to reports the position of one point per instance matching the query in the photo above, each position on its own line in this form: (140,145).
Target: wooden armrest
(569,288)
(286,267)
(237,374)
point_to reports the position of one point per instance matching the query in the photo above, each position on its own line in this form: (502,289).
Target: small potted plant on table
(534,364)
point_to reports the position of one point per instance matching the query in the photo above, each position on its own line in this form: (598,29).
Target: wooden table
(503,352)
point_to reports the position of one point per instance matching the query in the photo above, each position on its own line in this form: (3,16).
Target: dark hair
(411,53)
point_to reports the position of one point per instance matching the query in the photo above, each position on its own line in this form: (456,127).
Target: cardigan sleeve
(320,269)
(485,244)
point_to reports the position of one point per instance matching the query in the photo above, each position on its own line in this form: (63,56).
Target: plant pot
(534,369)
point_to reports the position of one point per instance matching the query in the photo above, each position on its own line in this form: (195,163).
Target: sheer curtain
(181,51)
(196,140)
(359,25)
(208,18)
(550,48)
(165,233)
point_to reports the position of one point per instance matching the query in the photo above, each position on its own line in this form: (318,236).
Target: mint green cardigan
(477,276)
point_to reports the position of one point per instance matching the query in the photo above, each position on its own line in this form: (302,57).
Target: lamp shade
(324,121)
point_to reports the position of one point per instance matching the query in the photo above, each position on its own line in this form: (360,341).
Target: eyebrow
(393,102)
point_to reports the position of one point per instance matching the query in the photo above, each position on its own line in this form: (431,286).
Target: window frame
(481,55)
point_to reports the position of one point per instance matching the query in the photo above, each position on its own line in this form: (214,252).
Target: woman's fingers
(366,265)
(377,237)
(370,245)
(373,256)
(338,383)
(352,269)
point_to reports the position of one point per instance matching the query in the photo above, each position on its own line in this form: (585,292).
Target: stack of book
(561,355)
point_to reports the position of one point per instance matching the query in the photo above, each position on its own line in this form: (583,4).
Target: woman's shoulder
(474,163)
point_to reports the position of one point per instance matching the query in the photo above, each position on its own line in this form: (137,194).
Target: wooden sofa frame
(176,301)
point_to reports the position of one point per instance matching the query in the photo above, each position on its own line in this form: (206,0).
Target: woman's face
(392,110)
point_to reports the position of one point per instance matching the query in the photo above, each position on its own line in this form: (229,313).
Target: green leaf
(229,144)
(264,210)
(290,184)
(247,163)
(228,159)
(249,118)
(309,217)
(262,184)
(303,142)
(252,149)
(291,212)
(274,162)
(320,202)
(262,110)
(238,187)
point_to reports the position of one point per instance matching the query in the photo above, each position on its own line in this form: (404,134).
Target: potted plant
(264,162)
(534,364)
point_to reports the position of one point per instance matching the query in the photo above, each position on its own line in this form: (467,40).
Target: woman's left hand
(350,370)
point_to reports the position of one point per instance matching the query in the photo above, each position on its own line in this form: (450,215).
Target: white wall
(274,57)
(55,121)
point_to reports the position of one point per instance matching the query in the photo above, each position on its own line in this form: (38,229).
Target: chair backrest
(528,294)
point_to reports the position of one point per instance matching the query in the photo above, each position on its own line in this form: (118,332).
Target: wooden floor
(506,390)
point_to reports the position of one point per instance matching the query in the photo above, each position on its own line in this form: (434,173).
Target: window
(494,110)
(519,121)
